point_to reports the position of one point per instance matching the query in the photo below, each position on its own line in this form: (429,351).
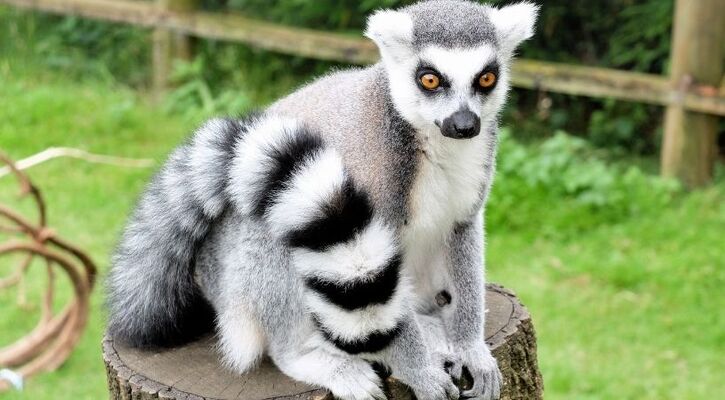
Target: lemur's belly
(446,191)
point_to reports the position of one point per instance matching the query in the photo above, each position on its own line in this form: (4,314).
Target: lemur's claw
(453,365)
(434,384)
(481,378)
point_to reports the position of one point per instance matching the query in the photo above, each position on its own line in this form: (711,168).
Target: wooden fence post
(698,46)
(169,45)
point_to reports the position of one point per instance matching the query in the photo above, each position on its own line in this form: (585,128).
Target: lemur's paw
(357,382)
(451,362)
(434,384)
(484,372)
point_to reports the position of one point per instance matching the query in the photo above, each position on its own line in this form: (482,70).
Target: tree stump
(193,371)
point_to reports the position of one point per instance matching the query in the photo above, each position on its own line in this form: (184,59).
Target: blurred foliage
(320,14)
(192,93)
(568,167)
(79,47)
(626,34)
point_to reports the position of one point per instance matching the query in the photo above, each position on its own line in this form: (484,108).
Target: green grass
(631,310)
(87,202)
(625,307)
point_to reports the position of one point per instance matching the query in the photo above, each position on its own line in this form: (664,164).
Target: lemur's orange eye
(430,81)
(487,80)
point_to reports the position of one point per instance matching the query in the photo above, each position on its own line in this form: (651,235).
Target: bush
(79,47)
(567,174)
(623,34)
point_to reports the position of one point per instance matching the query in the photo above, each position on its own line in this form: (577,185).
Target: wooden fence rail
(179,17)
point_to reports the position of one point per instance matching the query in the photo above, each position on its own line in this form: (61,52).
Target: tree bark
(193,371)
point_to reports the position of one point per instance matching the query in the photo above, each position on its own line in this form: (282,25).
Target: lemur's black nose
(462,124)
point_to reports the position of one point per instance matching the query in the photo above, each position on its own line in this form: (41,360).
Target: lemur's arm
(465,320)
(464,260)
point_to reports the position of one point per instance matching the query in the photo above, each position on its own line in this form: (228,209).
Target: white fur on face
(460,68)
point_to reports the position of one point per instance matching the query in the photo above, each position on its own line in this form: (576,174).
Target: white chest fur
(446,190)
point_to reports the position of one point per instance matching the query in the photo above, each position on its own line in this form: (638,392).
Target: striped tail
(283,175)
(152,297)
(349,259)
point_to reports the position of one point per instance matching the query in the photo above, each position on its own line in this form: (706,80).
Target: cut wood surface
(194,371)
(537,75)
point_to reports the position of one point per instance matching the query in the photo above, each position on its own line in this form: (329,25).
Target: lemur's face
(447,61)
(452,89)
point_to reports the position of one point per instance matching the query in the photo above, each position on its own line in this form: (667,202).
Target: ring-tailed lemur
(342,226)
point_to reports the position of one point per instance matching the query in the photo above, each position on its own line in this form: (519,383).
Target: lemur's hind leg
(347,377)
(241,340)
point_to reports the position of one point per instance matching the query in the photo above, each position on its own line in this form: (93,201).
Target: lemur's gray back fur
(377,144)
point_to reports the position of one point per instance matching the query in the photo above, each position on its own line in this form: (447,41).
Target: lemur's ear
(514,24)
(392,31)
